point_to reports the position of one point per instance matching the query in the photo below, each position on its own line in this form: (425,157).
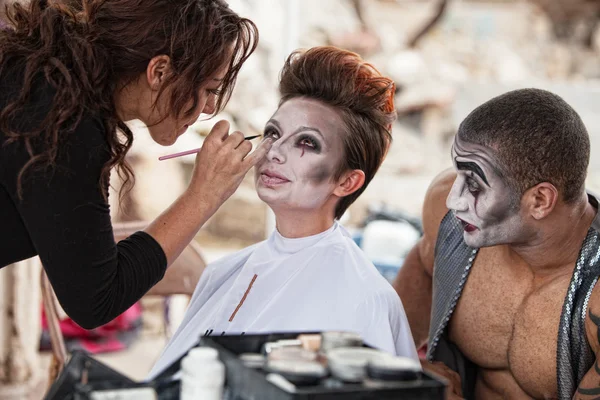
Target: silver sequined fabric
(453,261)
(574,355)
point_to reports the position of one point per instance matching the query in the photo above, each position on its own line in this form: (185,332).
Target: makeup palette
(318,366)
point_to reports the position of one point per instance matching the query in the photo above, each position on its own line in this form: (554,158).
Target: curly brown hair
(88,50)
(364,98)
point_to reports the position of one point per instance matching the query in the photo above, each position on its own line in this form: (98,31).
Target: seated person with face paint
(330,134)
(508,263)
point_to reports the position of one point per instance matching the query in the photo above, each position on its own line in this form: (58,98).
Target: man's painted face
(298,171)
(481,199)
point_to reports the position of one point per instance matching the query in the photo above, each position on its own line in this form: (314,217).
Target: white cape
(322,282)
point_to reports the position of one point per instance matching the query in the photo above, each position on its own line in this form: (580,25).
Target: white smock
(316,283)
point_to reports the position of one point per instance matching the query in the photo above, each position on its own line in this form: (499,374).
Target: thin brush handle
(185,153)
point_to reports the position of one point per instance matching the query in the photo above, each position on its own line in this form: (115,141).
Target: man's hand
(454,389)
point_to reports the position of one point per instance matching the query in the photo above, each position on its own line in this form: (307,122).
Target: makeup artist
(71,74)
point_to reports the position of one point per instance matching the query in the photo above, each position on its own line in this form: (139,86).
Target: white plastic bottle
(202,375)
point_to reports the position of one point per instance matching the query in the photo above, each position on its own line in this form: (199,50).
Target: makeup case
(85,378)
(244,383)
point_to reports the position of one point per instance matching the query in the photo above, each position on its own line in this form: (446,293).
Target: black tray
(242,383)
(81,374)
(250,384)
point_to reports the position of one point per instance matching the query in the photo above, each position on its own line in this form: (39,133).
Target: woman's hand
(223,162)
(220,167)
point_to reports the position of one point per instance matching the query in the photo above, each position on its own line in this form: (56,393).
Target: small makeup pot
(253,360)
(291,354)
(300,373)
(349,364)
(287,343)
(334,339)
(310,342)
(203,375)
(393,369)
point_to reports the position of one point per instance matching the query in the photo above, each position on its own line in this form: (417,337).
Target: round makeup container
(253,360)
(334,339)
(393,369)
(291,354)
(202,375)
(300,373)
(349,364)
(270,346)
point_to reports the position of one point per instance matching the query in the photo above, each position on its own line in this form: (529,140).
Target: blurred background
(446,57)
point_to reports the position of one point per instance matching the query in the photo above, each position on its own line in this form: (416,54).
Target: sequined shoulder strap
(574,356)
(453,260)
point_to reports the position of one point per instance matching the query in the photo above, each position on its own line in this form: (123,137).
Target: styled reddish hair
(363,97)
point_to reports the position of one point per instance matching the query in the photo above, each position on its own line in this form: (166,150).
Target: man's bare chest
(507,320)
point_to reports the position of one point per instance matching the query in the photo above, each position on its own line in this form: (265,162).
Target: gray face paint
(482,199)
(322,174)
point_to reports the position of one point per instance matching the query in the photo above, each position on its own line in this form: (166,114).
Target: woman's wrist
(205,199)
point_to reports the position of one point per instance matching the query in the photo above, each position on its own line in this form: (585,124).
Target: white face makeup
(482,200)
(297,173)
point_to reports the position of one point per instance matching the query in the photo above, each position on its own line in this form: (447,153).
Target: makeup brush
(185,153)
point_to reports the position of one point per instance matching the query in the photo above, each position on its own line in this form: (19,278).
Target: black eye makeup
(302,140)
(472,185)
(307,142)
(271,132)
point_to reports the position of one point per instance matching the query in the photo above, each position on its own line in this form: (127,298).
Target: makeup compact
(349,364)
(253,360)
(393,369)
(288,343)
(291,354)
(334,339)
(300,373)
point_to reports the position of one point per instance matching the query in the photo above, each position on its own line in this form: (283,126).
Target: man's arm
(414,280)
(589,387)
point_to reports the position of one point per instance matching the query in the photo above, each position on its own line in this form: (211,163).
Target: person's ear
(540,200)
(349,183)
(158,69)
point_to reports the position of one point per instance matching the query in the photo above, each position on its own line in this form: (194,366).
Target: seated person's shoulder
(358,273)
(381,304)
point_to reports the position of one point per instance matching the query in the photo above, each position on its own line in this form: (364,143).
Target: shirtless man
(502,281)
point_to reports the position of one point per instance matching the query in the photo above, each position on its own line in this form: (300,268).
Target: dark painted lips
(466,226)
